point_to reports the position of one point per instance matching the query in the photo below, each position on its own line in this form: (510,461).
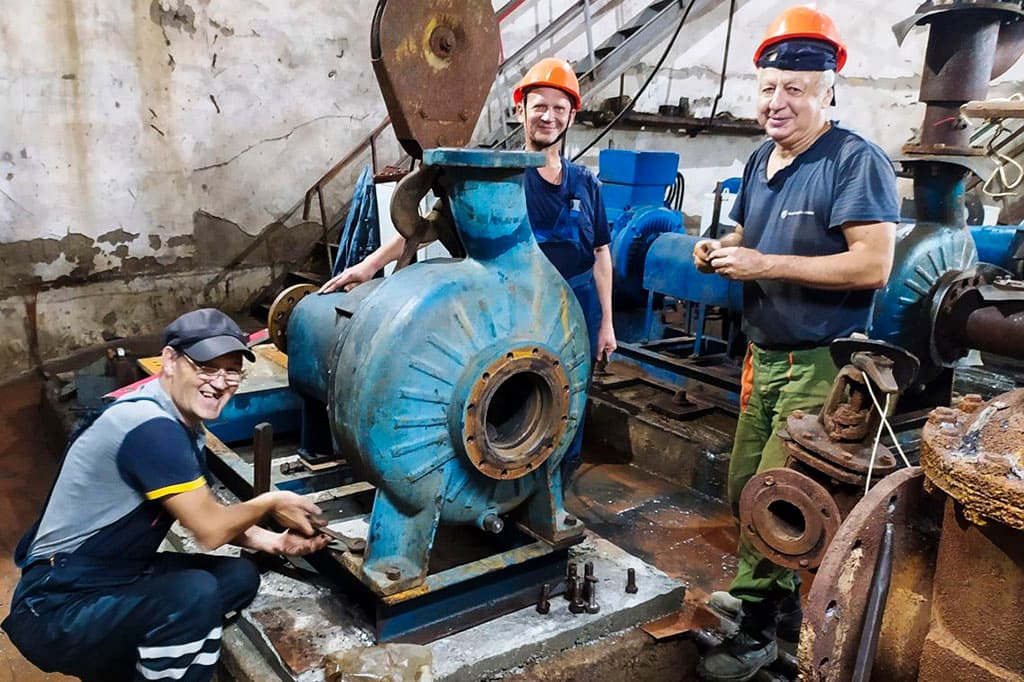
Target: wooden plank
(994,108)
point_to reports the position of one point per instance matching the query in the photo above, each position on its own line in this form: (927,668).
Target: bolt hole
(509,356)
(892,504)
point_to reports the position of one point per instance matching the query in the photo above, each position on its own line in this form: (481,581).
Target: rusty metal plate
(435,61)
(834,615)
(788,517)
(281,310)
(807,430)
(977,457)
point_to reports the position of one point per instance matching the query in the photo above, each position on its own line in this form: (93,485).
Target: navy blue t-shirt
(570,254)
(841,178)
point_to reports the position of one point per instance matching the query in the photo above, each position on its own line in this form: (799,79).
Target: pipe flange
(788,517)
(281,311)
(516,413)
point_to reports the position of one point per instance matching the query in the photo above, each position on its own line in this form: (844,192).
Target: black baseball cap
(206,334)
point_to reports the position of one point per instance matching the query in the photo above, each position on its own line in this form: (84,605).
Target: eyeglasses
(232,377)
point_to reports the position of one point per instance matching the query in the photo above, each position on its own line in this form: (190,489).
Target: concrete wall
(152,154)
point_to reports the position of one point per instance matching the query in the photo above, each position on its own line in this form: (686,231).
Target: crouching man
(96,599)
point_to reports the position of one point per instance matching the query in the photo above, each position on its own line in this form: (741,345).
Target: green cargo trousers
(774,384)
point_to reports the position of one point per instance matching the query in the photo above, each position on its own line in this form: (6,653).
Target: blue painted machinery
(632,236)
(1001,245)
(454,386)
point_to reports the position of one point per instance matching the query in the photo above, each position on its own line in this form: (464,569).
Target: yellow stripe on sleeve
(175,489)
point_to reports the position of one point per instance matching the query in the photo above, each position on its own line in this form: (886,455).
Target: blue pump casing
(455,386)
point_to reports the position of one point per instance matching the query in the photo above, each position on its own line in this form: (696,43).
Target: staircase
(597,68)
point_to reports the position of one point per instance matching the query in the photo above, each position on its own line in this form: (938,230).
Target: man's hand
(701,254)
(294,511)
(291,543)
(606,343)
(287,542)
(349,278)
(739,263)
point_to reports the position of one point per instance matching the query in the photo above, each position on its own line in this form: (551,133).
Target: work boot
(738,658)
(729,610)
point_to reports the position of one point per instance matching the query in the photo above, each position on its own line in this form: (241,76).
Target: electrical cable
(674,196)
(657,67)
(725,64)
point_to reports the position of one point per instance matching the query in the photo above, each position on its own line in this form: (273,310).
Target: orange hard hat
(803,22)
(550,72)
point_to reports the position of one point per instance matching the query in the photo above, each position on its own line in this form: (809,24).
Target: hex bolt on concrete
(543,605)
(570,582)
(588,580)
(592,605)
(393,573)
(631,587)
(577,605)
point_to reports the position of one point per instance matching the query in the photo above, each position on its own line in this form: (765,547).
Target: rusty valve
(791,514)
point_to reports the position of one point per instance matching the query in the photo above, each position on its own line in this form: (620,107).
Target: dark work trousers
(112,621)
(585,289)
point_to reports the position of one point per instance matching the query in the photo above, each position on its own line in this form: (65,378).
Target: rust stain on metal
(978,459)
(295,646)
(977,621)
(435,62)
(834,615)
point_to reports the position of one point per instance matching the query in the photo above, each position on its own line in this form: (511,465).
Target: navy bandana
(799,54)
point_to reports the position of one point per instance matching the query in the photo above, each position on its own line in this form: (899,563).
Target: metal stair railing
(601,67)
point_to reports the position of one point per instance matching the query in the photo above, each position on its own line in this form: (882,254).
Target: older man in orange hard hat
(816,221)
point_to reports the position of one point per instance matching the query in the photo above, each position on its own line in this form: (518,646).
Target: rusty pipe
(958,66)
(991,330)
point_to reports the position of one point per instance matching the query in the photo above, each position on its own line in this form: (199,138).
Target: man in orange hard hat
(815,236)
(563,201)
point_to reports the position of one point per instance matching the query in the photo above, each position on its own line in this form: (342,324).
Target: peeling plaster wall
(153,153)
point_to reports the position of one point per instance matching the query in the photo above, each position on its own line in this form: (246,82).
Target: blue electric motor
(632,237)
(456,386)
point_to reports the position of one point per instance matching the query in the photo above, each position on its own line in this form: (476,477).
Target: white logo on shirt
(786,213)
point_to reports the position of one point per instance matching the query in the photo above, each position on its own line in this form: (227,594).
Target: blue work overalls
(575,227)
(143,615)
